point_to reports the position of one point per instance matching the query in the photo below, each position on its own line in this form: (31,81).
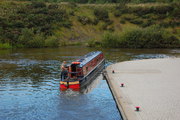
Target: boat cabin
(82,67)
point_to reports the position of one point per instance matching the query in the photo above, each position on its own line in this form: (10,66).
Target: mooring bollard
(122,84)
(113,71)
(137,108)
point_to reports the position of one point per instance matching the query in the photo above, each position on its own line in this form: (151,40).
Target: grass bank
(39,24)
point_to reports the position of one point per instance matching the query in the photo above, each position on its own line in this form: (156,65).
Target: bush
(101,14)
(52,42)
(110,40)
(93,43)
(151,16)
(122,21)
(37,17)
(111,28)
(147,23)
(53,6)
(117,13)
(136,21)
(5,46)
(38,5)
(175,12)
(129,17)
(95,21)
(84,20)
(107,26)
(36,42)
(66,24)
(31,40)
(150,37)
(162,9)
(71,13)
(108,22)
(122,8)
(27,35)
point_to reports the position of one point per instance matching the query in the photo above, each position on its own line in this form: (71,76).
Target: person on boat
(64,70)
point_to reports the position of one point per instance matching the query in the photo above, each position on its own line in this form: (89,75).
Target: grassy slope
(81,34)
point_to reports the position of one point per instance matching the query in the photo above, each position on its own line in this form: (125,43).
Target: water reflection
(88,88)
(29,84)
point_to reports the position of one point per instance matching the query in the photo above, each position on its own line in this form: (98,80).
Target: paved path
(152,84)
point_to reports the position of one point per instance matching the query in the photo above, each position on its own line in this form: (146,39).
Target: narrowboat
(83,71)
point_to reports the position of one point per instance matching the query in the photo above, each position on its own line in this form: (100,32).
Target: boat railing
(74,72)
(68,78)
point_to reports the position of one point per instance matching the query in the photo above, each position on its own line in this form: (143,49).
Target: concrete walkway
(152,84)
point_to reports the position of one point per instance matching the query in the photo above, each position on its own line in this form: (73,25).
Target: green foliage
(84,20)
(38,4)
(71,13)
(147,23)
(53,6)
(117,13)
(36,24)
(35,20)
(136,21)
(120,9)
(37,41)
(5,46)
(151,37)
(94,42)
(101,14)
(122,21)
(107,26)
(31,40)
(52,42)
(164,9)
(110,40)
(175,12)
(129,17)
(26,36)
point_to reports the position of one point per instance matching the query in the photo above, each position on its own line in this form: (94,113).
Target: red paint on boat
(63,87)
(75,87)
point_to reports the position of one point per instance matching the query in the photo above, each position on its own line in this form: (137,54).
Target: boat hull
(75,86)
(93,75)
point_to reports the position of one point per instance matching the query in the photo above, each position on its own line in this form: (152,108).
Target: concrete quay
(153,85)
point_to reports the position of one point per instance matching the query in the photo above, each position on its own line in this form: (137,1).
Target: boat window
(86,68)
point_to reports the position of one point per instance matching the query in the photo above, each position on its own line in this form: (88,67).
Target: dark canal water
(29,84)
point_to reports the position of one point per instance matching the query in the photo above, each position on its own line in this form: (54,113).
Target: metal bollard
(137,108)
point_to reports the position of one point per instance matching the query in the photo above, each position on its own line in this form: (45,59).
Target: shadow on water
(29,84)
(88,88)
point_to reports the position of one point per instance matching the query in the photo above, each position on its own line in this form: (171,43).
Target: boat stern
(75,86)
